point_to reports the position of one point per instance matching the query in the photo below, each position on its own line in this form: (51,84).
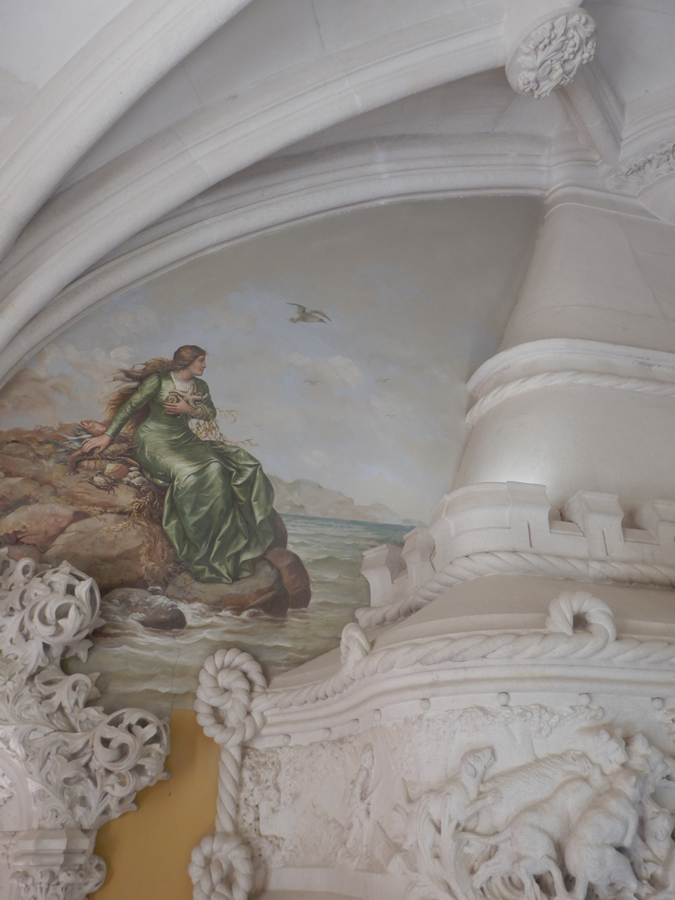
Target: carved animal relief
(584,820)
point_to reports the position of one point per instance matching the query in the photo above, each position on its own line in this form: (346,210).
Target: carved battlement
(485,523)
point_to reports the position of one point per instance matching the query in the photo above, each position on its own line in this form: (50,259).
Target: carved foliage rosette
(551,55)
(78,766)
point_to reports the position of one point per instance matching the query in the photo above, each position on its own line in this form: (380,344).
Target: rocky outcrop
(40,524)
(103,516)
(118,551)
(309,498)
(294,576)
(18,491)
(150,610)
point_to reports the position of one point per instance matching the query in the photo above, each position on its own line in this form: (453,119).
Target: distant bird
(308,315)
(307,381)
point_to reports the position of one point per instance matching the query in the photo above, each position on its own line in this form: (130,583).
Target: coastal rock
(294,576)
(23,551)
(279,529)
(263,592)
(79,491)
(150,610)
(41,523)
(17,466)
(16,491)
(117,551)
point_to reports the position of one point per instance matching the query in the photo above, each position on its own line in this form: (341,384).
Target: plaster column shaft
(581,395)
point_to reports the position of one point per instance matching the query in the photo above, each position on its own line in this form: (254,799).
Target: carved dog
(529,846)
(453,802)
(510,792)
(591,853)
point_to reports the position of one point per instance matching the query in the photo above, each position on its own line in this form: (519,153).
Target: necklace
(182,385)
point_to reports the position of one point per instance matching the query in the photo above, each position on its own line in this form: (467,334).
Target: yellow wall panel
(147,852)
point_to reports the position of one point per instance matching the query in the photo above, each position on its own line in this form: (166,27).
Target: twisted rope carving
(221,867)
(562,643)
(564,379)
(516,563)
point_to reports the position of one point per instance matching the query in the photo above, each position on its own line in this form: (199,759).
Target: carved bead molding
(65,767)
(511,528)
(229,681)
(551,55)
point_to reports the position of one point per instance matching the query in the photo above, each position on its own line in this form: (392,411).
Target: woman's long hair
(137,374)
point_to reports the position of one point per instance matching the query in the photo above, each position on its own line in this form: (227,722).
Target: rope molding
(564,379)
(221,866)
(512,562)
(560,643)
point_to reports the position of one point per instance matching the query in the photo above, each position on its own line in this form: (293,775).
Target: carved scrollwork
(582,608)
(81,765)
(64,882)
(354,647)
(551,55)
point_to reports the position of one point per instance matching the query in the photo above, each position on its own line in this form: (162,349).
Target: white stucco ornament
(65,767)
(551,54)
(221,865)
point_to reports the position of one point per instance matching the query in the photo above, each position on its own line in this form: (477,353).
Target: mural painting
(219,446)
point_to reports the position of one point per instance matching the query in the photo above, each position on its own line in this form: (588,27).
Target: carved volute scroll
(65,767)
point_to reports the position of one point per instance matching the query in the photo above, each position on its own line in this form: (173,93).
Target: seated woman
(218,498)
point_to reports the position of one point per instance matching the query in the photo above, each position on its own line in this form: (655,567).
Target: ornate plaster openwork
(65,767)
(551,54)
(516,788)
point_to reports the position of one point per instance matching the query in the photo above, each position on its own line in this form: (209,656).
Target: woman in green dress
(218,499)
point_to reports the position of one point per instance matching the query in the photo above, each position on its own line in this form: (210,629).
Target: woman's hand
(97,443)
(180,408)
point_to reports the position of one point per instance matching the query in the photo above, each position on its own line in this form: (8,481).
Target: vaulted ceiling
(138,134)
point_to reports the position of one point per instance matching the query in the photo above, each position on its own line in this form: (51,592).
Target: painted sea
(140,667)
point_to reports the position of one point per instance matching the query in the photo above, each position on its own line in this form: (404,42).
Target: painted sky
(372,403)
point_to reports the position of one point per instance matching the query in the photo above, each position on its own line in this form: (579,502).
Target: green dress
(218,498)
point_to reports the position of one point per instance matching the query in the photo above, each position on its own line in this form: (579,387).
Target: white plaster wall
(601,275)
(577,438)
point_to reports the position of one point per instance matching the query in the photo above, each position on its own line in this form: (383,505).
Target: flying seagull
(308,315)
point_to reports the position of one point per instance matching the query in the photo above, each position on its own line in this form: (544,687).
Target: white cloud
(317,459)
(336,371)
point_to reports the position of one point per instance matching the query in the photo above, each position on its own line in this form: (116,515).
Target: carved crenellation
(552,54)
(512,528)
(79,766)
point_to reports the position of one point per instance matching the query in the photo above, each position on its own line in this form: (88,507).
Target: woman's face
(197,367)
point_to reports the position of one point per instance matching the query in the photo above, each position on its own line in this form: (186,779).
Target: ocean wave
(149,666)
